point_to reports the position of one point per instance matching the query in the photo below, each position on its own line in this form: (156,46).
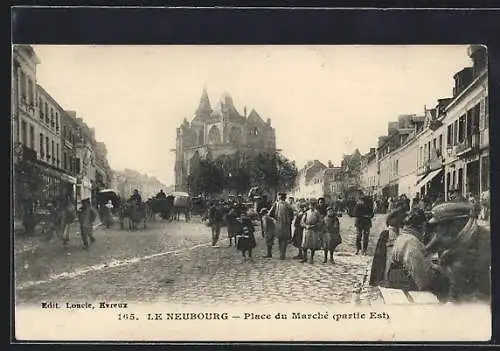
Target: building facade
(45,139)
(370,172)
(219,131)
(466,122)
(445,150)
(128,180)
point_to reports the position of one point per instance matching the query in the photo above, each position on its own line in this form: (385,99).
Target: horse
(135,212)
(163,207)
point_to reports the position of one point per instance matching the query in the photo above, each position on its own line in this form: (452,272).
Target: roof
(204,109)
(254,117)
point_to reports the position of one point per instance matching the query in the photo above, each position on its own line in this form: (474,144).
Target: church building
(219,131)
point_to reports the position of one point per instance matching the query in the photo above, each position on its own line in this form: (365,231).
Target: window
(460,179)
(455,132)
(71,163)
(396,168)
(440,145)
(23,86)
(434,146)
(64,133)
(429,150)
(47,147)
(31,94)
(461,129)
(42,154)
(24,133)
(449,135)
(448,179)
(486,106)
(57,154)
(53,151)
(57,121)
(32,137)
(52,122)
(65,160)
(485,173)
(46,112)
(40,108)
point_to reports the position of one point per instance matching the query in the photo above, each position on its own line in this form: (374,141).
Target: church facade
(218,131)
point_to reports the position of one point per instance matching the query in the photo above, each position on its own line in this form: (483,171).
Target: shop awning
(429,177)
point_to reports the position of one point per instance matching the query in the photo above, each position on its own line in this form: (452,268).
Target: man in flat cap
(464,250)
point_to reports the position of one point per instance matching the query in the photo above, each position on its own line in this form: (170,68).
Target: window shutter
(482,113)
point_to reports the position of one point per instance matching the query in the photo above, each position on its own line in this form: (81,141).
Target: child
(246,240)
(332,236)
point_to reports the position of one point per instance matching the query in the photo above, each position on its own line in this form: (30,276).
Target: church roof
(204,109)
(254,117)
(225,108)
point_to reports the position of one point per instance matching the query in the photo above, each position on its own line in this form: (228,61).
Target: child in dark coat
(246,238)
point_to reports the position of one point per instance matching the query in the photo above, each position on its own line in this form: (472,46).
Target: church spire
(204,109)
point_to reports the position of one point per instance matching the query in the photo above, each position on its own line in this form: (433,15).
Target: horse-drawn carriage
(134,212)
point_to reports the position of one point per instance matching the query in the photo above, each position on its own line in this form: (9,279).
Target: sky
(323,101)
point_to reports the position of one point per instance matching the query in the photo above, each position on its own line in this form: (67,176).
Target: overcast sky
(323,100)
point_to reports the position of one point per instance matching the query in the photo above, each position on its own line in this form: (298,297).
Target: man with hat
(463,248)
(364,214)
(282,212)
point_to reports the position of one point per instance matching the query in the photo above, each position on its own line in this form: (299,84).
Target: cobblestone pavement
(178,265)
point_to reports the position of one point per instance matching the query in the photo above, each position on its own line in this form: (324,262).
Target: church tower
(204,110)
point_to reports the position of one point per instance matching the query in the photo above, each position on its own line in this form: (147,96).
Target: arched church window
(214,136)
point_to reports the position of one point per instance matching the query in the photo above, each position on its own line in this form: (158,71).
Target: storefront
(432,184)
(36,183)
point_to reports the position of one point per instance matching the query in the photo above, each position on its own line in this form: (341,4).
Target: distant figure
(283,214)
(332,237)
(298,232)
(246,241)
(161,195)
(136,197)
(87,215)
(312,222)
(215,218)
(363,211)
(322,207)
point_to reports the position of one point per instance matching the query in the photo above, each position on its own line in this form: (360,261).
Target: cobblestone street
(174,262)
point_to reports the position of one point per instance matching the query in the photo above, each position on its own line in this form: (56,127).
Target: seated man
(408,267)
(464,251)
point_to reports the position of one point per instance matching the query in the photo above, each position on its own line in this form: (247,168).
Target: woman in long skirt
(298,233)
(332,237)
(312,224)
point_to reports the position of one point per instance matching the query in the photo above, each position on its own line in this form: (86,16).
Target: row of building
(56,143)
(128,180)
(446,149)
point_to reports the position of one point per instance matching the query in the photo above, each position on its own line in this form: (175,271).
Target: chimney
(372,150)
(245,112)
(269,121)
(479,56)
(392,127)
(462,80)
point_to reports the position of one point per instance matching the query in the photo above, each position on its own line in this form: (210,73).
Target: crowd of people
(440,249)
(308,226)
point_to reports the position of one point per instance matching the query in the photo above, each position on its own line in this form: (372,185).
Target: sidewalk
(24,243)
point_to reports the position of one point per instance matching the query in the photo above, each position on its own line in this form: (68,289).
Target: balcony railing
(430,165)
